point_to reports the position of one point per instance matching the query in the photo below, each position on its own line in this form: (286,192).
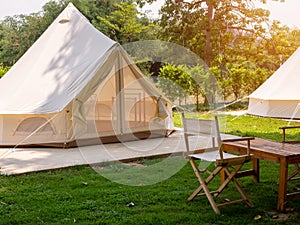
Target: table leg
(282,189)
(255,162)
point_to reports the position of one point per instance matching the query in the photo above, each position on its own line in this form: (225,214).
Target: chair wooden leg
(208,179)
(222,176)
(244,196)
(204,187)
(195,193)
(231,177)
(211,176)
(296,172)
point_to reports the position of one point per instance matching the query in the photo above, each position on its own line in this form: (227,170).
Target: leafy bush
(3,70)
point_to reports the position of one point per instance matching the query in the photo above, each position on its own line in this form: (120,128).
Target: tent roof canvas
(284,83)
(56,67)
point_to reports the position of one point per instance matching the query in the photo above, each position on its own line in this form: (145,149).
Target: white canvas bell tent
(75,83)
(279,96)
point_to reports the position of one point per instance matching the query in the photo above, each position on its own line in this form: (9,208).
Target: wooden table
(282,153)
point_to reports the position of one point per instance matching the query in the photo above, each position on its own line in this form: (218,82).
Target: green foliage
(93,8)
(3,70)
(174,81)
(229,29)
(179,82)
(18,33)
(204,85)
(282,43)
(125,23)
(234,42)
(240,78)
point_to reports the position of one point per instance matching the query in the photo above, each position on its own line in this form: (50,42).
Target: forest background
(239,45)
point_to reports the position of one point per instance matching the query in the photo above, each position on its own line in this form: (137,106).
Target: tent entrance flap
(122,107)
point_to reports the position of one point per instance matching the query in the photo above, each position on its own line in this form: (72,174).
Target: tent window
(38,125)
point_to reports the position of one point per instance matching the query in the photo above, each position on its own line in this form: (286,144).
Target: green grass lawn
(79,195)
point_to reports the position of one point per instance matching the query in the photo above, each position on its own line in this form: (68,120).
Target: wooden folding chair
(203,142)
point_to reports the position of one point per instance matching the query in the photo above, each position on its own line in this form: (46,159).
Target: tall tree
(125,24)
(207,27)
(231,36)
(18,33)
(281,42)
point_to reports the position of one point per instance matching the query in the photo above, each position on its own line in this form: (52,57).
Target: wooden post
(255,164)
(283,175)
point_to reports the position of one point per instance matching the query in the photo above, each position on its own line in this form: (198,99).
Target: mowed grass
(86,195)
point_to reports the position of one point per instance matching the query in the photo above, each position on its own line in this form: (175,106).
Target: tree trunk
(208,46)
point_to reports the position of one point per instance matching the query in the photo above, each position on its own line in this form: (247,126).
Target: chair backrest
(201,127)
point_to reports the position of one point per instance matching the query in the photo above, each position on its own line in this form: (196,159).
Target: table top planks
(266,149)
